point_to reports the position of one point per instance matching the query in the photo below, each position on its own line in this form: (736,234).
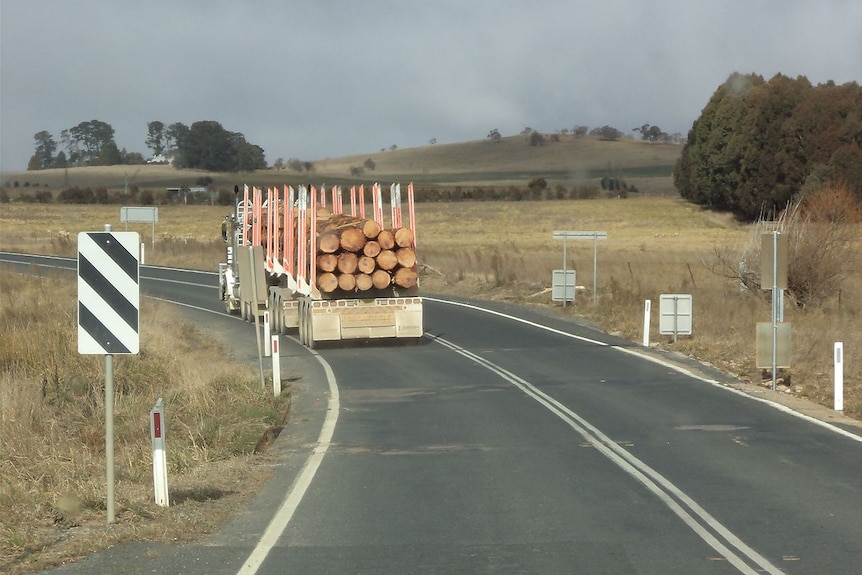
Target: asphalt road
(513,442)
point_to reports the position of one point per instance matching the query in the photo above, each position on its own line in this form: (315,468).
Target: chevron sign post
(108,293)
(108,318)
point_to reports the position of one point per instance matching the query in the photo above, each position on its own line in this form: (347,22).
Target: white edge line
(664,363)
(300,485)
(302,482)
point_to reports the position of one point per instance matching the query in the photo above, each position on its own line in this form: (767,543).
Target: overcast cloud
(314,79)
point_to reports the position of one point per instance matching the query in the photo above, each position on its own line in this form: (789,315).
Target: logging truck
(295,253)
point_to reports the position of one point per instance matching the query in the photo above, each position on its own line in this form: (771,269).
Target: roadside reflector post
(276,367)
(267,335)
(143,249)
(647,305)
(160,462)
(839,376)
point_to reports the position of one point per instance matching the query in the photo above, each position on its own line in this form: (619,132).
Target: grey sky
(314,79)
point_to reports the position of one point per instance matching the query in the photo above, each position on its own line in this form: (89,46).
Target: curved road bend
(503,446)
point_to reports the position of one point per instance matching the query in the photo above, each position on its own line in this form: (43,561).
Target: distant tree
(494,135)
(651,133)
(432,141)
(60,161)
(133,158)
(580,131)
(536,139)
(526,131)
(607,133)
(206,145)
(393,147)
(279,164)
(369,164)
(175,134)
(156,137)
(45,148)
(89,138)
(109,155)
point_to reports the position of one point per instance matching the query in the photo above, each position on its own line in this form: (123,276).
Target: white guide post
(267,333)
(160,463)
(839,376)
(276,367)
(647,306)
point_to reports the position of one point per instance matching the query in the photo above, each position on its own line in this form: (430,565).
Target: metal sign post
(773,272)
(576,235)
(108,315)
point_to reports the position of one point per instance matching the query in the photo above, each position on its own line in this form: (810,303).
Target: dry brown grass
(52,429)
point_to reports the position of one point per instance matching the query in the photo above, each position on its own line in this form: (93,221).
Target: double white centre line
(693,515)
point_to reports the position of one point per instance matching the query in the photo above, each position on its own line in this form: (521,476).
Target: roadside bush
(821,228)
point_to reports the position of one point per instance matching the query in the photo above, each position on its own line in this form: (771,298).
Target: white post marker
(267,334)
(160,463)
(647,305)
(839,376)
(276,368)
(143,246)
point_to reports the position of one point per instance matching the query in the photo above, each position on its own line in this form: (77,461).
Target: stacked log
(356,255)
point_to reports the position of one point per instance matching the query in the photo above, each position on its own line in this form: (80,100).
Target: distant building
(161,159)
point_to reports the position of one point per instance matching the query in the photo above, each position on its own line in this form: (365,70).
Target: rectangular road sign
(577,235)
(563,285)
(675,314)
(139,215)
(108,293)
(763,345)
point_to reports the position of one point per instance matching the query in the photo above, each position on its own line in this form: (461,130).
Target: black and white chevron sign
(108,293)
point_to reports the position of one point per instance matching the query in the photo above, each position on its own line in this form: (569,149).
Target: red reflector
(157,425)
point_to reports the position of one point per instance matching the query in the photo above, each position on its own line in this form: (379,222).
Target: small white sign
(563,285)
(675,311)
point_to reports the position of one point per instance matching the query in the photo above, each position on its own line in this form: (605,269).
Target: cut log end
(381,279)
(327,282)
(405,277)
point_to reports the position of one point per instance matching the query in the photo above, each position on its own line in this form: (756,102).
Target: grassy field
(508,162)
(656,244)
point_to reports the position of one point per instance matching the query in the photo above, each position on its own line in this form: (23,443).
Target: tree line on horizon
(758,145)
(204,145)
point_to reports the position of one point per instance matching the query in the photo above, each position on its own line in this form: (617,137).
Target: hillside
(511,161)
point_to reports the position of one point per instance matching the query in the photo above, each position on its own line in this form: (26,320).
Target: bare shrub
(821,228)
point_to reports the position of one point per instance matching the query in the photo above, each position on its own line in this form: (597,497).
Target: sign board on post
(675,314)
(773,260)
(580,235)
(563,285)
(764,355)
(140,215)
(108,293)
(108,317)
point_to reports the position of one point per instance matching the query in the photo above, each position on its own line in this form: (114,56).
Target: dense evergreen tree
(756,143)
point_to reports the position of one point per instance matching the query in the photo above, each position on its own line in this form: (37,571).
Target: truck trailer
(328,274)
